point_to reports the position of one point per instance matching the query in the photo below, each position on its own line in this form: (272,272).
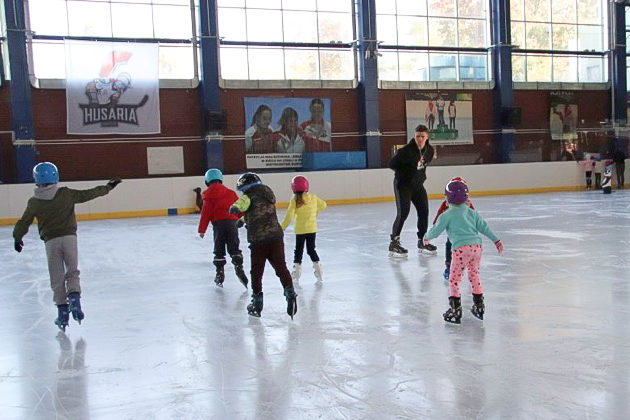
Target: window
(412,32)
(288,39)
(543,29)
(167,21)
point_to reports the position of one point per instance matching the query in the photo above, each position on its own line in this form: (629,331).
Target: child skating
(304,207)
(589,165)
(217,200)
(463,226)
(266,239)
(53,206)
(442,209)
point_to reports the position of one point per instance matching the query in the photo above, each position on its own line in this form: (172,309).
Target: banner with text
(448,116)
(112,88)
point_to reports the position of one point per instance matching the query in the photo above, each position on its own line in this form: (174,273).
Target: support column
(502,75)
(369,118)
(209,83)
(618,64)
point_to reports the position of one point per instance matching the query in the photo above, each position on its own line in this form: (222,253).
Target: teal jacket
(462,225)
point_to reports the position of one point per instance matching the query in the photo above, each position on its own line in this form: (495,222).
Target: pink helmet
(299,184)
(456,192)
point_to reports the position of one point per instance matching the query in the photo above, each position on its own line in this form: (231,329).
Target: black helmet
(247,180)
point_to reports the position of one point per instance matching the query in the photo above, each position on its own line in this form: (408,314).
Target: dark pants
(309,238)
(620,168)
(405,195)
(226,235)
(448,253)
(272,251)
(588,175)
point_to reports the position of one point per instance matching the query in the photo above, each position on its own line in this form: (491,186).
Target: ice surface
(161,341)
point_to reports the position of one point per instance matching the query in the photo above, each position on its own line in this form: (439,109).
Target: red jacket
(444,206)
(217,200)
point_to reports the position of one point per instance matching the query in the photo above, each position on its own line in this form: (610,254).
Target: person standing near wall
(619,157)
(409,164)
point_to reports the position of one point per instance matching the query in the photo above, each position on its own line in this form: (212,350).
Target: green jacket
(53,207)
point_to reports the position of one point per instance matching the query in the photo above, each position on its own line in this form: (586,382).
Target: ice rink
(161,341)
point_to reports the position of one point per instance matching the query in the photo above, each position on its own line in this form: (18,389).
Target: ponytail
(299,199)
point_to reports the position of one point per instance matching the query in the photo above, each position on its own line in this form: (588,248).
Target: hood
(214,191)
(263,192)
(46,193)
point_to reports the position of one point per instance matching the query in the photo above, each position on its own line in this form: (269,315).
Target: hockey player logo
(104,94)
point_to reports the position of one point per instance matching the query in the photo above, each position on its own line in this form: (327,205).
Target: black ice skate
(454,312)
(62,317)
(291,296)
(429,249)
(447,272)
(74,299)
(240,273)
(478,307)
(395,249)
(256,307)
(220,277)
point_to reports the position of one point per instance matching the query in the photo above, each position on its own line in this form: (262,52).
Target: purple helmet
(456,192)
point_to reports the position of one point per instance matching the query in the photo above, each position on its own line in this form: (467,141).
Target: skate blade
(453,321)
(427,252)
(244,283)
(478,316)
(254,314)
(397,255)
(219,284)
(293,310)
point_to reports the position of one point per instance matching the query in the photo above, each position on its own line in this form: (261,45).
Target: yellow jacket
(306,215)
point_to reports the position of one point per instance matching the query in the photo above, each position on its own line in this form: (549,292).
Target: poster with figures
(448,116)
(563,116)
(280,130)
(112,88)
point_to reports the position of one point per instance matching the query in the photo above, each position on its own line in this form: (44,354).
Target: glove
(499,246)
(240,223)
(234,210)
(113,182)
(18,244)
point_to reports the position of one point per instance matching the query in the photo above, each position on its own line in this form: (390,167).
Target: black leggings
(405,195)
(620,168)
(309,238)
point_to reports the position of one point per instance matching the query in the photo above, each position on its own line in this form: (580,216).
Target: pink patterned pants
(465,257)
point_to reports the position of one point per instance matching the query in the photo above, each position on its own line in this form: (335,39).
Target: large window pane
(517,11)
(565,69)
(264,4)
(442,32)
(385,7)
(442,67)
(89,19)
(538,68)
(386,25)
(590,38)
(442,8)
(230,3)
(414,66)
(411,7)
(335,5)
(472,8)
(301,64)
(48,61)
(300,26)
(388,65)
(589,11)
(563,11)
(176,62)
(234,63)
(538,36)
(232,24)
(132,20)
(299,5)
(336,64)
(412,31)
(172,22)
(264,25)
(518,34)
(335,27)
(266,63)
(591,69)
(537,10)
(564,37)
(473,67)
(48,17)
(518,68)
(472,33)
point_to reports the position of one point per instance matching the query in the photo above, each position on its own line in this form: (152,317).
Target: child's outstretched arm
(241,205)
(321,204)
(436,229)
(483,228)
(81,196)
(21,228)
(288,218)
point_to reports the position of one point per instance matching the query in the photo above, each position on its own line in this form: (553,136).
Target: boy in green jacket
(53,207)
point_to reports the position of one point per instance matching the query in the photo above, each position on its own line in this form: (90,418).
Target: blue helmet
(247,180)
(213,175)
(45,173)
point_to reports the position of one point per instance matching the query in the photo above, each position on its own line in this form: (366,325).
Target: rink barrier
(284,204)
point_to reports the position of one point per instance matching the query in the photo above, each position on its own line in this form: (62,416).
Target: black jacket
(410,163)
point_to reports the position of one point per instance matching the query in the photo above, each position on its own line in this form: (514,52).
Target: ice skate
(447,272)
(454,312)
(478,307)
(317,270)
(291,296)
(428,249)
(395,249)
(296,272)
(63,315)
(240,273)
(74,299)
(256,307)
(220,277)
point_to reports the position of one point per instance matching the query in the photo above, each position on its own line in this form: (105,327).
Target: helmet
(247,180)
(213,175)
(456,192)
(45,173)
(299,184)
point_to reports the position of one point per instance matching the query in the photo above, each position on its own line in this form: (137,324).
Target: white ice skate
(297,272)
(317,270)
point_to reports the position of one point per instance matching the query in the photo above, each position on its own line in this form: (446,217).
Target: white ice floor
(161,341)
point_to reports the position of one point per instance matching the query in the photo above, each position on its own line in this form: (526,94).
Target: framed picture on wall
(448,116)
